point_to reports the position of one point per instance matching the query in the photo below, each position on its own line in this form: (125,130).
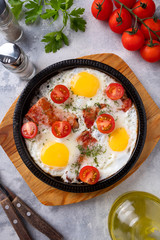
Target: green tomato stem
(141,20)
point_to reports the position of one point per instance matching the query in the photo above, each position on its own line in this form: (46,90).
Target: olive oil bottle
(135,216)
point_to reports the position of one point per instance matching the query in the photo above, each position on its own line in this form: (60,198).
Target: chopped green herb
(74,109)
(101,112)
(116,103)
(91,152)
(68,105)
(98,105)
(76,172)
(96,162)
(75,165)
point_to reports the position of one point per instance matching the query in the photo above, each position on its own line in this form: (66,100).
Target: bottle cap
(4,10)
(11,55)
(2,6)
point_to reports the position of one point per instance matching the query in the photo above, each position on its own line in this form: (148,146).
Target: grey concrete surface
(86,220)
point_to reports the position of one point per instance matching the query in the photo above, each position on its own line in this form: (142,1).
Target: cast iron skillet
(23,105)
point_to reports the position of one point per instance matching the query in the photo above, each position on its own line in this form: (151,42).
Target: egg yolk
(85,84)
(118,139)
(55,155)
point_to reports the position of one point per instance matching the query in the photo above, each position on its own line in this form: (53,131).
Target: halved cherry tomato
(115,91)
(29,130)
(105,123)
(60,94)
(127,104)
(144,8)
(61,129)
(89,174)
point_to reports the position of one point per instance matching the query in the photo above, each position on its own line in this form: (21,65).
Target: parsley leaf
(49,13)
(77,24)
(35,11)
(76,21)
(16,7)
(68,4)
(55,4)
(77,12)
(55,41)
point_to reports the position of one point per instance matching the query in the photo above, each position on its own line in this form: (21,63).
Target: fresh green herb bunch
(51,9)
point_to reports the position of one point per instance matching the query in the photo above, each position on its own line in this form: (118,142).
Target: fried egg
(55,155)
(118,140)
(85,84)
(59,157)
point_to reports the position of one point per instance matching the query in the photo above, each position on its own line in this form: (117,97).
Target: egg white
(108,162)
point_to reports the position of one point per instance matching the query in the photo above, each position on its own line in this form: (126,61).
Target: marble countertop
(86,220)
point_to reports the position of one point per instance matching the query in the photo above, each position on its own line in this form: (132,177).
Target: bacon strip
(43,112)
(90,114)
(86,139)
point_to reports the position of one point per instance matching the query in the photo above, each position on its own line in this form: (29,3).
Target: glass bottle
(135,216)
(14,59)
(9,26)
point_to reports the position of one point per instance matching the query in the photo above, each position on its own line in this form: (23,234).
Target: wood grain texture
(15,220)
(51,196)
(35,220)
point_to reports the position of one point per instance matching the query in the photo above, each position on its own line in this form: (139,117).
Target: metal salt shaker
(14,59)
(9,27)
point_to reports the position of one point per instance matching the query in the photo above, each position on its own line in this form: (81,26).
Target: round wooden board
(51,196)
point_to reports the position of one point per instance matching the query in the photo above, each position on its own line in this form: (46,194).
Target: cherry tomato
(61,129)
(146,8)
(60,94)
(153,24)
(89,174)
(127,104)
(105,123)
(102,9)
(29,130)
(132,40)
(151,53)
(128,3)
(119,24)
(115,91)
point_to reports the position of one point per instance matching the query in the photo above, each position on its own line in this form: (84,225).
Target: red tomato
(132,40)
(29,130)
(89,174)
(102,9)
(60,94)
(61,129)
(153,24)
(105,123)
(115,91)
(151,53)
(119,24)
(146,8)
(128,3)
(127,104)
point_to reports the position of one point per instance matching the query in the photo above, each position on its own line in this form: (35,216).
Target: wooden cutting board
(51,196)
